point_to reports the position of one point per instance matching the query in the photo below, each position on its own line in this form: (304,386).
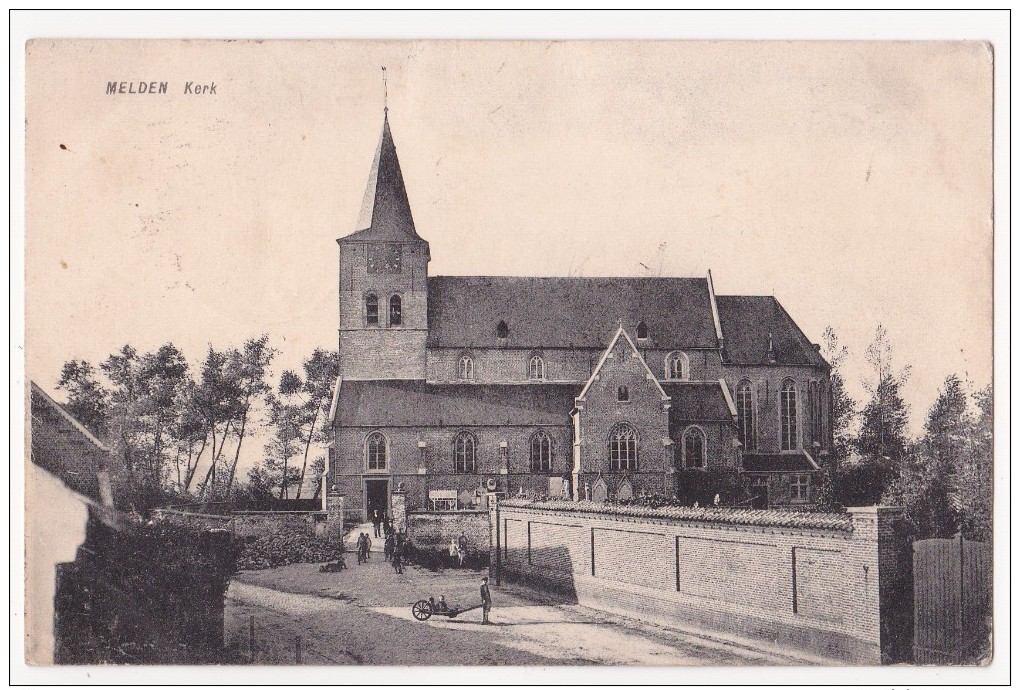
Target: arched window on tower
(694,449)
(395,313)
(623,448)
(502,330)
(642,331)
(375,451)
(788,415)
(371,310)
(677,366)
(745,415)
(464,454)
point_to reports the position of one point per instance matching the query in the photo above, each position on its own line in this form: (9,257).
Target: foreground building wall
(820,583)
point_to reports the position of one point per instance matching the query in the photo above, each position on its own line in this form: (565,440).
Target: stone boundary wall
(823,584)
(251,523)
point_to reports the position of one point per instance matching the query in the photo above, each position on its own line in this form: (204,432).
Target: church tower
(384,280)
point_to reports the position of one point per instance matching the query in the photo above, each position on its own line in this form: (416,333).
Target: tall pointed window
(694,449)
(541,452)
(371,310)
(623,449)
(375,450)
(642,331)
(536,368)
(745,415)
(502,330)
(466,368)
(677,366)
(788,415)
(464,454)
(395,314)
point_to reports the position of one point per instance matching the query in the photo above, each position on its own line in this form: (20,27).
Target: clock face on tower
(384,258)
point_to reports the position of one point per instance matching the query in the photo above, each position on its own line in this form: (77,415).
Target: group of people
(459,549)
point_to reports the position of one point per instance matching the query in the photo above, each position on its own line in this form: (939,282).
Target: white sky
(851,180)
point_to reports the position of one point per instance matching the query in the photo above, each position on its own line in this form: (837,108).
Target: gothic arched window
(541,452)
(677,366)
(466,368)
(536,368)
(694,449)
(375,451)
(623,448)
(788,415)
(502,330)
(642,331)
(464,454)
(745,415)
(395,315)
(371,310)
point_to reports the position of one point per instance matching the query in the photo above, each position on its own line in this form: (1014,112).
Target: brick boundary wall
(437,529)
(819,583)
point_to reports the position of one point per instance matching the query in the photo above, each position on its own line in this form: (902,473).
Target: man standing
(376,522)
(486,600)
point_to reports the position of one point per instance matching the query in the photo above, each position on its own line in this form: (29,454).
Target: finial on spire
(386,107)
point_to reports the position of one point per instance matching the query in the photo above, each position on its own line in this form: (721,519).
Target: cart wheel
(422,610)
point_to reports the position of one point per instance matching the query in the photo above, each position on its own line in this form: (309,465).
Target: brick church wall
(815,583)
(348,462)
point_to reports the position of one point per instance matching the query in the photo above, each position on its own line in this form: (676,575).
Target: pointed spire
(385,210)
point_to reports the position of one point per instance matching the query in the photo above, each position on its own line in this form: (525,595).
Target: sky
(853,181)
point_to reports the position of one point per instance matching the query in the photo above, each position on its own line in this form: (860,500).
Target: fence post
(251,638)
(297,649)
(959,643)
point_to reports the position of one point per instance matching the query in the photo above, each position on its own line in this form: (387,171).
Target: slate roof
(746,324)
(731,516)
(565,312)
(776,462)
(64,447)
(385,210)
(418,403)
(696,402)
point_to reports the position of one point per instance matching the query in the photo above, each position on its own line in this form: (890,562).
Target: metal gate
(952,601)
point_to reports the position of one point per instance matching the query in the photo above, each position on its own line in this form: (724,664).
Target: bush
(283,548)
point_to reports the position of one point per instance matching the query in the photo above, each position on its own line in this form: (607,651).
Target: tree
(843,408)
(299,412)
(881,441)
(88,401)
(248,369)
(883,432)
(975,474)
(232,381)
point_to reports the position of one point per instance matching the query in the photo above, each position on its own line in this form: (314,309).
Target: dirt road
(363,616)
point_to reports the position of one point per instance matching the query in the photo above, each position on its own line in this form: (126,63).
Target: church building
(580,388)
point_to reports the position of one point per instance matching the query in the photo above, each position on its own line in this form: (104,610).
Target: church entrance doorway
(377,494)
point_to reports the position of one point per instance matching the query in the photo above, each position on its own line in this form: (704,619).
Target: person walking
(361,548)
(462,549)
(398,566)
(486,600)
(368,546)
(388,547)
(376,522)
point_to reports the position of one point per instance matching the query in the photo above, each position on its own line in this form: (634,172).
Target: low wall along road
(826,584)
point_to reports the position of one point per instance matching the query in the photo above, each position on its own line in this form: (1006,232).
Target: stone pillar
(398,509)
(335,515)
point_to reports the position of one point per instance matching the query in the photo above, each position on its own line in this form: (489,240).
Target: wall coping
(447,512)
(757,518)
(280,512)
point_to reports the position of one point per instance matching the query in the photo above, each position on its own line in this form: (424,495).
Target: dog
(333,566)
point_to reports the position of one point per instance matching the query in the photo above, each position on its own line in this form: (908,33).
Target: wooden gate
(952,600)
